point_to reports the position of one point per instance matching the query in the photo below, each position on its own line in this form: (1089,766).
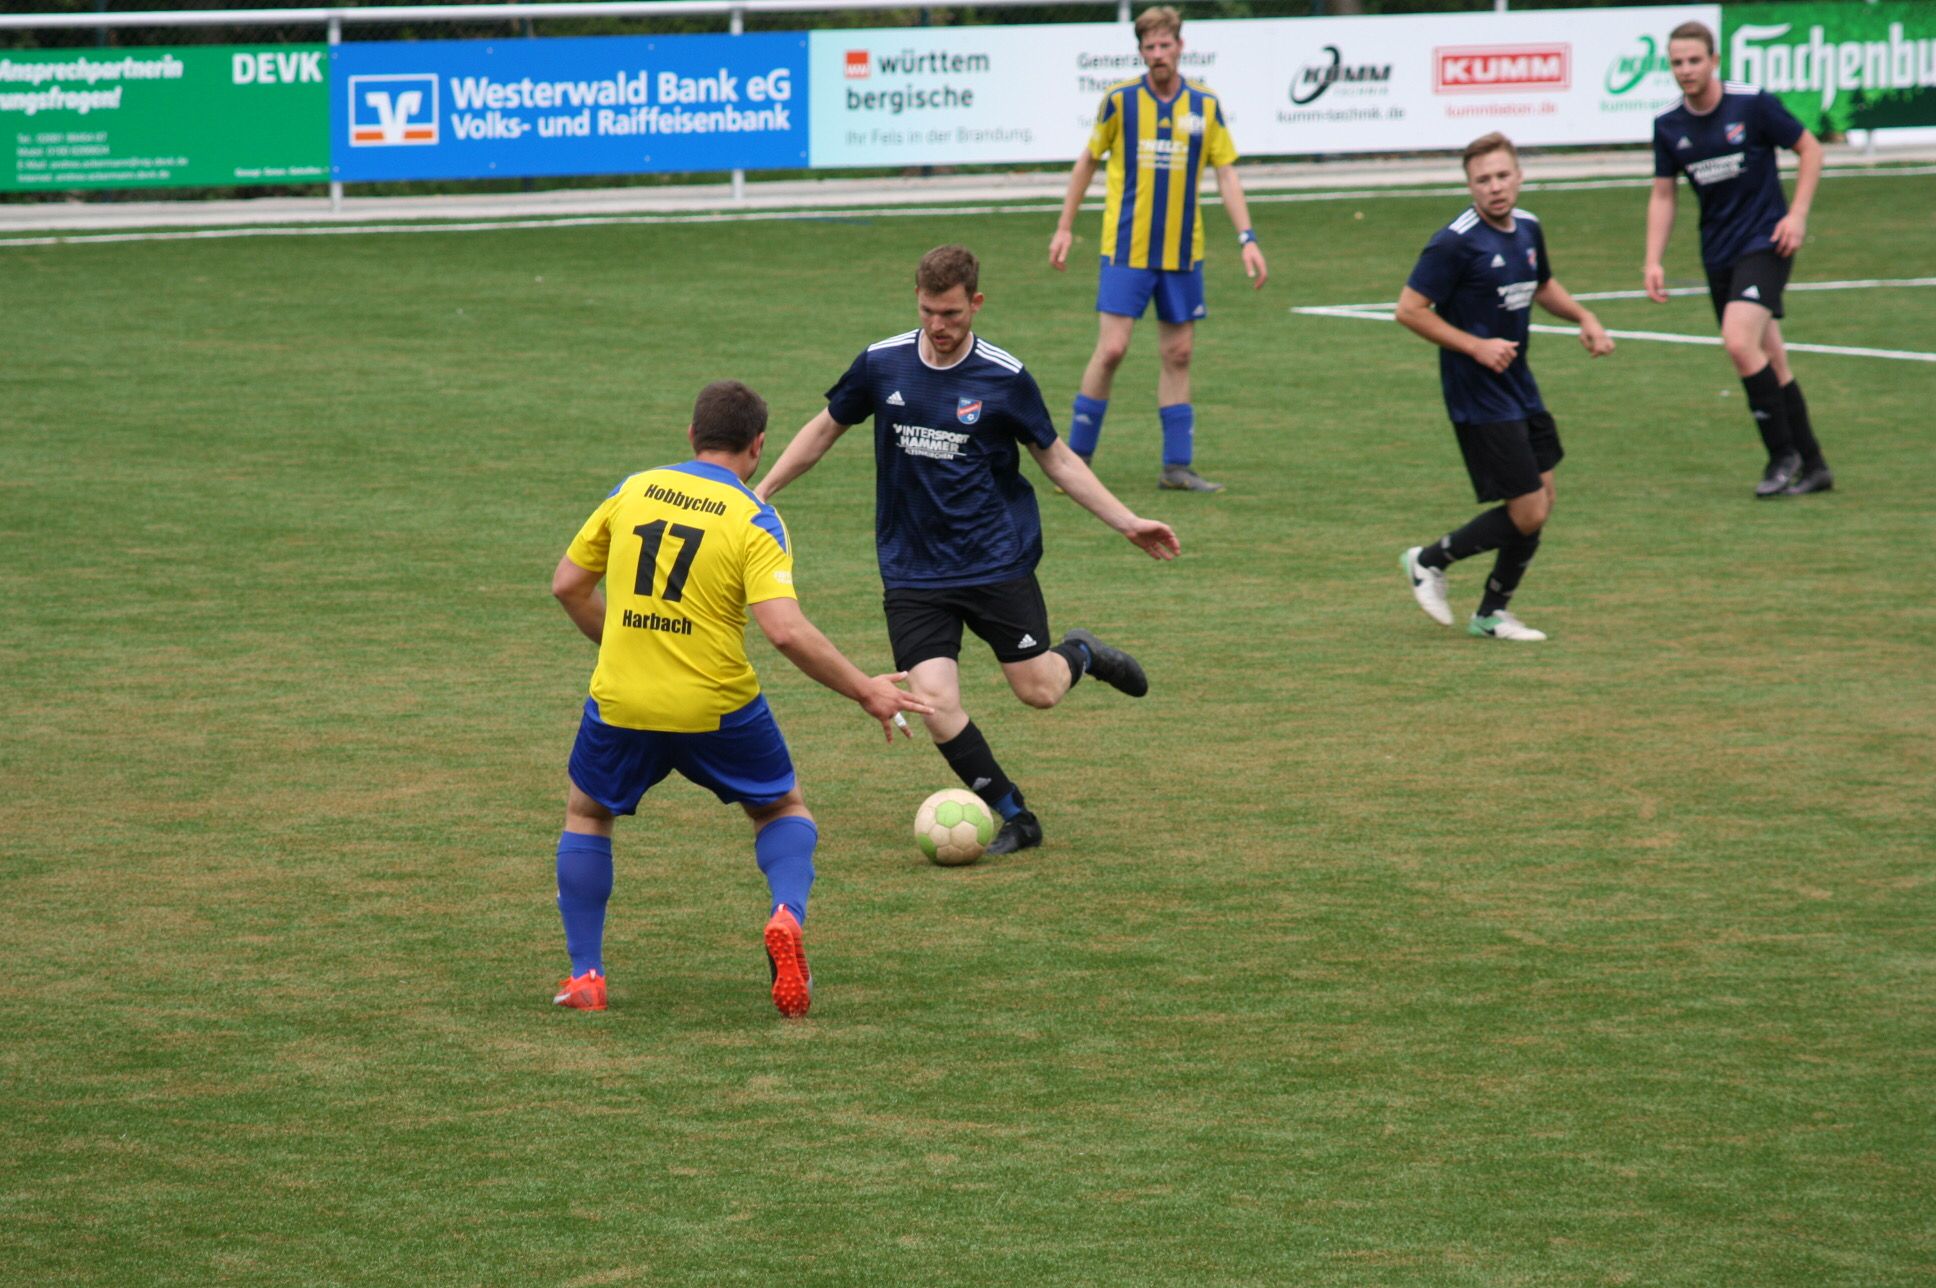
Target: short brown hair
(1693,31)
(1485,143)
(727,417)
(946,267)
(1158,18)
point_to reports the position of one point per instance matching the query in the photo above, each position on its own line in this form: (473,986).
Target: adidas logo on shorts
(1027,641)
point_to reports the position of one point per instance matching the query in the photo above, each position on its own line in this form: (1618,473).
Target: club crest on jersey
(1737,132)
(1532,258)
(967,410)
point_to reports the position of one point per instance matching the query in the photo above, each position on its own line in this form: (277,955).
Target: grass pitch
(1360,952)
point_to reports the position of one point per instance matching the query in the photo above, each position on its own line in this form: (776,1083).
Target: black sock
(1077,656)
(968,755)
(1799,426)
(1489,531)
(1770,411)
(1507,569)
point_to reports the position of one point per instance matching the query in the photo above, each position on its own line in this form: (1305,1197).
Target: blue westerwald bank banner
(471,109)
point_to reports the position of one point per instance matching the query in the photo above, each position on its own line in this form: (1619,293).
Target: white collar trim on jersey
(967,351)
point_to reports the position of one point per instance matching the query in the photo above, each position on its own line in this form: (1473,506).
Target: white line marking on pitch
(1024,207)
(1383,313)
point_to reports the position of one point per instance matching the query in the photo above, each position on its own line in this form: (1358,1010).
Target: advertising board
(1289,86)
(163,117)
(1838,67)
(474,109)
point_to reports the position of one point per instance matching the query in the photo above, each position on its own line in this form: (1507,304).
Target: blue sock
(1085,426)
(584,885)
(784,849)
(1009,806)
(1179,433)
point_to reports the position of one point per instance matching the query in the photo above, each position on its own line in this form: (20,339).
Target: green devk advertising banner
(124,118)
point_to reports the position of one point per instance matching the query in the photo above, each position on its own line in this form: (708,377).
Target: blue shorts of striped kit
(744,761)
(1127,291)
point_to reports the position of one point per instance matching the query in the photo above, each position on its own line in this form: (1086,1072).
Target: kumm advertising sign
(1838,67)
(214,115)
(473,109)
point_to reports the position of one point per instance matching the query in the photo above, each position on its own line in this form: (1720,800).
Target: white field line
(1383,313)
(833,212)
(1856,284)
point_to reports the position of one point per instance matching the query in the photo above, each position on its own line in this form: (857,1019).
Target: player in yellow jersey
(685,551)
(1158,131)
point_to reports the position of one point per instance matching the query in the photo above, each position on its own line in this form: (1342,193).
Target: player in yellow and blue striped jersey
(1157,132)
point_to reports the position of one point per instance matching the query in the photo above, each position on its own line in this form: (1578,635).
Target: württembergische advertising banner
(926,96)
(472,109)
(1843,66)
(131,118)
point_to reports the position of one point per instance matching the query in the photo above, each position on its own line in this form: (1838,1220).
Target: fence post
(335,184)
(1122,10)
(736,23)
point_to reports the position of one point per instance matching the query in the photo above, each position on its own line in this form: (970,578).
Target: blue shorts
(744,761)
(1178,292)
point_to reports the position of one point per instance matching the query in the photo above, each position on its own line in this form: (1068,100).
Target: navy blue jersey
(1482,281)
(951,507)
(1729,156)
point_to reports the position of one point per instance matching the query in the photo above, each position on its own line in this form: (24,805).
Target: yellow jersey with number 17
(684,549)
(1157,151)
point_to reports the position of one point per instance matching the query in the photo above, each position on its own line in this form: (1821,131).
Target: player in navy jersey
(1472,294)
(956,525)
(1724,136)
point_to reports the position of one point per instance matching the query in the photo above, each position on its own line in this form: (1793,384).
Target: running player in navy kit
(1724,136)
(1472,294)
(956,525)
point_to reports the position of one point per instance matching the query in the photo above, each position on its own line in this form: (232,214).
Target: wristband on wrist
(1248,237)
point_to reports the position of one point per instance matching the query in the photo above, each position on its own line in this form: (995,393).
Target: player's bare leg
(1744,329)
(784,837)
(1113,332)
(1175,344)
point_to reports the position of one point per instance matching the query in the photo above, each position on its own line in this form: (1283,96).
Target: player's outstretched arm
(1558,301)
(1660,226)
(789,631)
(1064,237)
(1231,189)
(1793,226)
(1416,314)
(577,590)
(1068,472)
(801,455)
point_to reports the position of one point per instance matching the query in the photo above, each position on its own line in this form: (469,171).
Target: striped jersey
(1157,151)
(951,507)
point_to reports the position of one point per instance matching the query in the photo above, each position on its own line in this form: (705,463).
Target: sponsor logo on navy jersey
(968,410)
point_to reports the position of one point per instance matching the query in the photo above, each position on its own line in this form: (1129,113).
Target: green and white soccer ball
(953,827)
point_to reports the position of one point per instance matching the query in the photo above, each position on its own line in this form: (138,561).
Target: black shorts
(1506,457)
(1009,615)
(1756,278)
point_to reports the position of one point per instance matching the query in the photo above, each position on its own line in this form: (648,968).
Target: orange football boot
(786,952)
(582,993)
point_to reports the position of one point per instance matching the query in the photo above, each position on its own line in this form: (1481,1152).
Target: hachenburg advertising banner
(473,109)
(1838,67)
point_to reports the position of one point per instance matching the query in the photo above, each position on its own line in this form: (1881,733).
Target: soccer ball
(953,827)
